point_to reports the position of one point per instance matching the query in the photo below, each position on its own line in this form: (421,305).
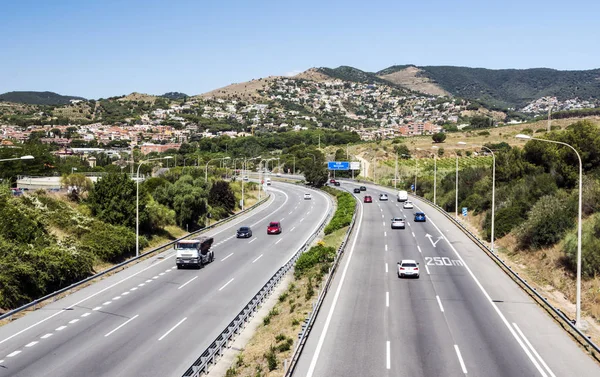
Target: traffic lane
(355,343)
(154,294)
(537,332)
(417,317)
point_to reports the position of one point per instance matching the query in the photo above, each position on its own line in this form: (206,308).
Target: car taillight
(401,268)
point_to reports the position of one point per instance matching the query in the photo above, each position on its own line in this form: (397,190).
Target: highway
(462,317)
(152,319)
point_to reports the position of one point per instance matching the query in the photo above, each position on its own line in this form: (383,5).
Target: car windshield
(274,225)
(244,229)
(397,219)
(409,265)
(187,245)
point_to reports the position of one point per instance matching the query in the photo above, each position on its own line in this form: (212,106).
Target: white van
(402,196)
(268,181)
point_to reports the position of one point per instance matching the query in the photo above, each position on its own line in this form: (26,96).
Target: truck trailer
(194,252)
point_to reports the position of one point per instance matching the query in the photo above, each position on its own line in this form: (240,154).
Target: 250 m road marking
(442,261)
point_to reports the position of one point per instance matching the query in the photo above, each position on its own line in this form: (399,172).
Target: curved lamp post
(206,167)
(578,299)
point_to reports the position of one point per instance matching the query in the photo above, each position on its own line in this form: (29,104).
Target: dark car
(244,232)
(363,188)
(357,190)
(420,216)
(274,227)
(368,199)
(337,183)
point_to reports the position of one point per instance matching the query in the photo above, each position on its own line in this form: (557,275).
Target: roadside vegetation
(276,338)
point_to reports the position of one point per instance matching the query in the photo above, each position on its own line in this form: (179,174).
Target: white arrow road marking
(431,239)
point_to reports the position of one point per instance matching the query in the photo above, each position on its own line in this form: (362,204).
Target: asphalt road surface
(463,316)
(152,319)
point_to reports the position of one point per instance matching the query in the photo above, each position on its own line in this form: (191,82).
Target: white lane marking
(427,269)
(125,293)
(489,299)
(97,308)
(387,299)
(313,362)
(155,277)
(408,222)
(260,256)
(142,284)
(85,314)
(384,223)
(122,324)
(161,274)
(139,272)
(148,281)
(134,289)
(13,354)
(231,254)
(107,303)
(302,219)
(388,361)
(537,355)
(278,241)
(173,328)
(419,247)
(386,267)
(167,270)
(254,239)
(290,212)
(282,219)
(460,359)
(117,298)
(385,247)
(61,328)
(385,234)
(188,282)
(74,321)
(440,303)
(226,284)
(292,229)
(31,344)
(413,233)
(381,209)
(1,361)
(46,336)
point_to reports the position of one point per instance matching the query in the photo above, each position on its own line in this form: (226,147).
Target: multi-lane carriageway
(464,316)
(152,319)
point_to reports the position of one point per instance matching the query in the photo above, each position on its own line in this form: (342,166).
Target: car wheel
(418,276)
(178,267)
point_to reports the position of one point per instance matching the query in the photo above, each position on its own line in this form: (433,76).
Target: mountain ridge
(38,98)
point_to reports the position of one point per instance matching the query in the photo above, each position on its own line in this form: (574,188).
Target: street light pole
(456,190)
(137,202)
(396,173)
(578,298)
(18,158)
(206,167)
(434,176)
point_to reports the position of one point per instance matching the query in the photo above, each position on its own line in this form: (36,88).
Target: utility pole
(396,172)
(549,118)
(319,141)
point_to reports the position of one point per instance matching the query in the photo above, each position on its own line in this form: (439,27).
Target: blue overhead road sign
(338,165)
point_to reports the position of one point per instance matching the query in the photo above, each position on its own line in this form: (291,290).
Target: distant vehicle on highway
(407,205)
(336,183)
(408,267)
(363,188)
(244,232)
(194,252)
(420,216)
(246,178)
(383,197)
(274,227)
(268,181)
(278,174)
(402,196)
(398,223)
(332,181)
(356,190)
(307,196)
(368,199)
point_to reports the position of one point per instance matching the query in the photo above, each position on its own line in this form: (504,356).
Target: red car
(368,199)
(332,181)
(274,227)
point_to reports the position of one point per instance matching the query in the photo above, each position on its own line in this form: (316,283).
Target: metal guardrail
(587,342)
(216,348)
(34,303)
(309,322)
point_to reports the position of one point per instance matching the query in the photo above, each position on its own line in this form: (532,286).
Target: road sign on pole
(355,165)
(464,211)
(412,187)
(338,165)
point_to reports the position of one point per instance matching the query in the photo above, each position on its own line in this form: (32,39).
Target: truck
(194,252)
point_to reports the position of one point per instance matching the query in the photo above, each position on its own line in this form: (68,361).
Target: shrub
(271,359)
(316,254)
(483,133)
(344,212)
(590,248)
(283,297)
(109,243)
(439,137)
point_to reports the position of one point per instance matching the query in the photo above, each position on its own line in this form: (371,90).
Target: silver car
(408,205)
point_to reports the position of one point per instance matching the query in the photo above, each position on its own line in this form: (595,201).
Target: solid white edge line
(487,296)
(226,284)
(388,361)
(419,247)
(313,362)
(122,324)
(173,328)
(278,241)
(229,255)
(440,303)
(387,299)
(460,359)
(260,256)
(188,282)
(537,355)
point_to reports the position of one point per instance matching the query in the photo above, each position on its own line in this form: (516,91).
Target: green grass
(334,239)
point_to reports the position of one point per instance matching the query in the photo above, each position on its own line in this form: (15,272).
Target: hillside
(352,74)
(174,95)
(411,77)
(244,91)
(38,98)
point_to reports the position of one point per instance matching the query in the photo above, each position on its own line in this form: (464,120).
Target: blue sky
(106,48)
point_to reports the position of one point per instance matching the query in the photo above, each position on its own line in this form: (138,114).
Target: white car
(307,196)
(398,223)
(408,267)
(408,205)
(383,197)
(246,178)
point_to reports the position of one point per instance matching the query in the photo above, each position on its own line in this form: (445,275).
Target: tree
(221,195)
(113,200)
(439,137)
(77,183)
(315,171)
